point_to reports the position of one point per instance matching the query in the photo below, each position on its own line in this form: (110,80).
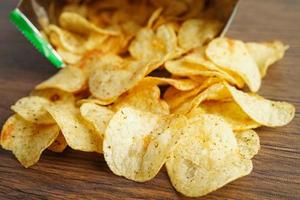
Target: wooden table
(76,175)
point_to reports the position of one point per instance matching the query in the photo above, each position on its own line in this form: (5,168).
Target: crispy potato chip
(63,39)
(97,116)
(59,144)
(232,113)
(144,97)
(55,96)
(155,45)
(78,134)
(248,142)
(68,57)
(137,143)
(155,15)
(207,159)
(266,54)
(180,84)
(76,23)
(196,63)
(107,84)
(92,100)
(233,55)
(263,111)
(70,79)
(196,32)
(26,140)
(175,98)
(33,109)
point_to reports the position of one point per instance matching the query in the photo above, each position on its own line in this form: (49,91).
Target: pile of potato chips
(196,117)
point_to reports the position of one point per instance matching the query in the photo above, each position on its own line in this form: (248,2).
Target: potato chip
(78,134)
(266,54)
(76,23)
(68,57)
(175,98)
(33,109)
(108,84)
(208,159)
(196,32)
(180,84)
(248,142)
(54,96)
(231,112)
(68,41)
(27,140)
(59,144)
(233,55)
(155,45)
(154,17)
(97,116)
(70,79)
(137,143)
(263,111)
(196,63)
(144,97)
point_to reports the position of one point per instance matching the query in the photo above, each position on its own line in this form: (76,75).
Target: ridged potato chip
(33,109)
(231,112)
(196,32)
(59,144)
(137,143)
(69,79)
(97,116)
(266,54)
(207,159)
(233,55)
(144,97)
(27,140)
(78,134)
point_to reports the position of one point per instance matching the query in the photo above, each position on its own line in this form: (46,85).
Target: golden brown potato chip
(33,109)
(180,84)
(137,143)
(266,54)
(144,97)
(263,111)
(232,113)
(248,142)
(70,79)
(68,57)
(196,32)
(78,134)
(54,95)
(175,97)
(107,83)
(27,140)
(233,55)
(156,45)
(76,23)
(155,15)
(207,158)
(65,40)
(97,116)
(59,144)
(196,63)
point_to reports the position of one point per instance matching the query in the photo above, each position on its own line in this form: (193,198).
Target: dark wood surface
(76,175)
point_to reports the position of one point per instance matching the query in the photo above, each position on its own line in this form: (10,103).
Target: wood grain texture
(77,175)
